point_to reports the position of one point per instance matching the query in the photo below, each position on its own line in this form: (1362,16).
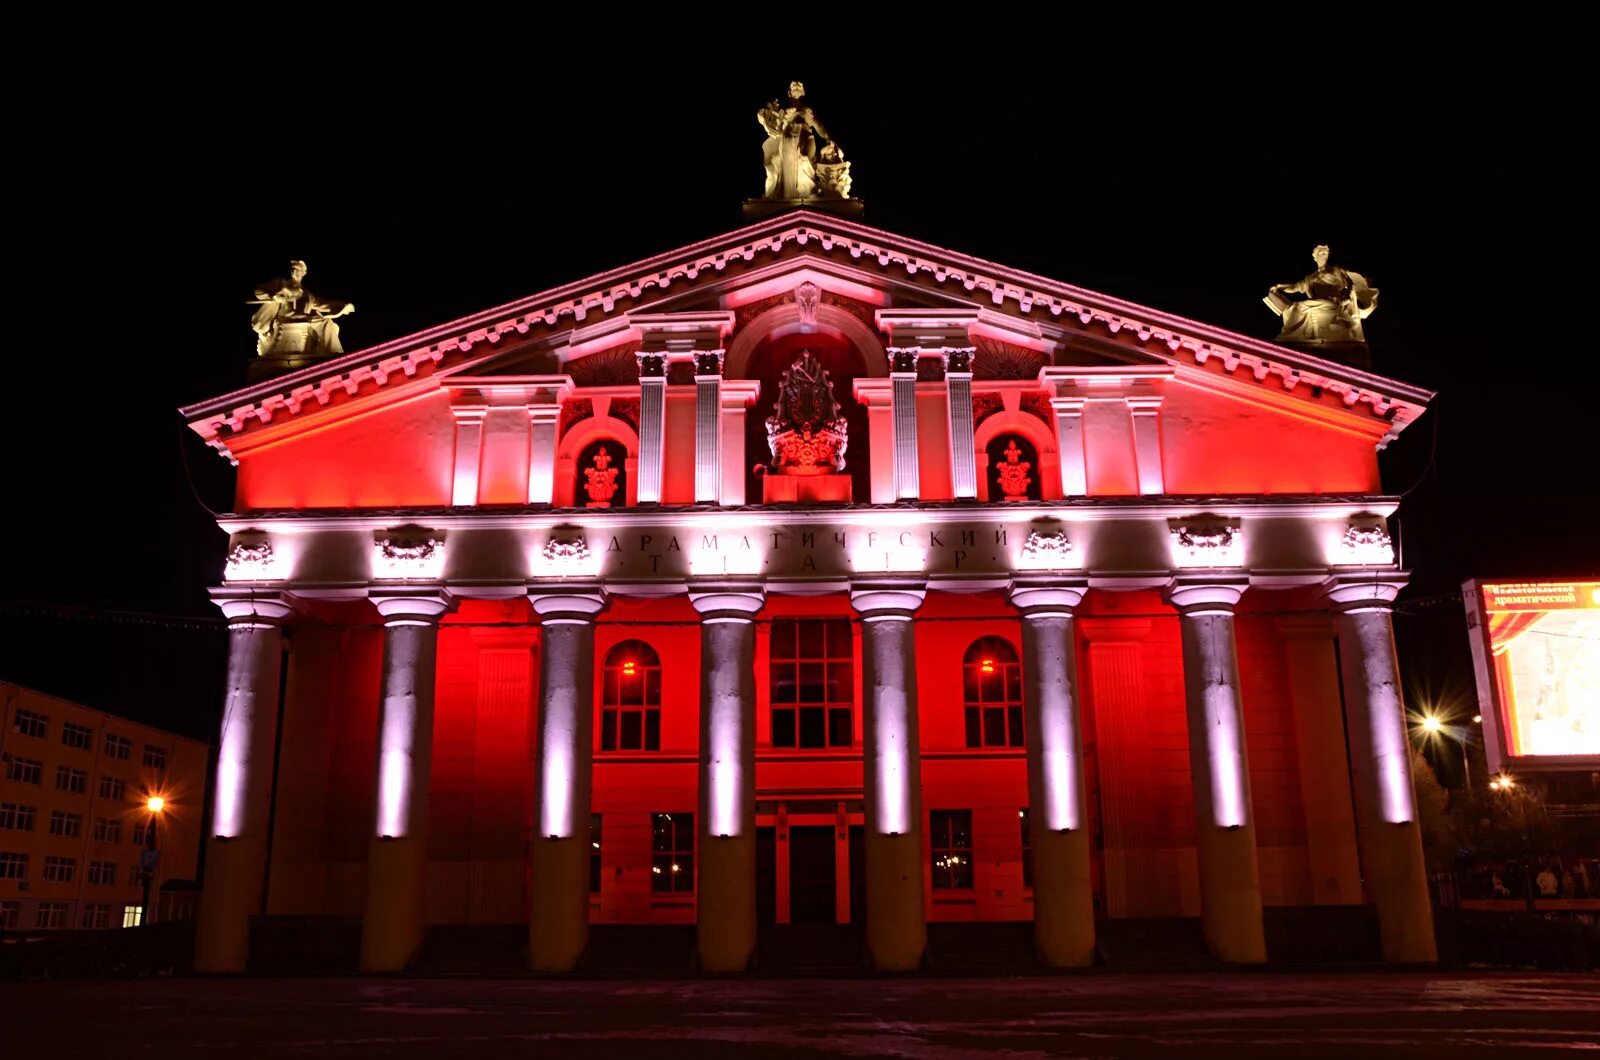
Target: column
(958,392)
(1063,886)
(897,933)
(707,429)
(1069,444)
(725,926)
(236,849)
(397,860)
(903,383)
(558,930)
(1146,412)
(469,453)
(1386,817)
(652,424)
(1225,837)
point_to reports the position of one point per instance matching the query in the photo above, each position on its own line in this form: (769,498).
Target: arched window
(992,687)
(630,699)
(1013,469)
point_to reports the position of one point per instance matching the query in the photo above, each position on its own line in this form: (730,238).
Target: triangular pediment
(1024,322)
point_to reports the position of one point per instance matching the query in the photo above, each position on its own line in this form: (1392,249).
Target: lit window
(29,723)
(16,817)
(630,699)
(1027,848)
(594,853)
(672,852)
(950,846)
(96,917)
(107,830)
(131,916)
(10,915)
(113,788)
(13,866)
(155,757)
(78,736)
(73,780)
(103,873)
(25,770)
(118,747)
(59,870)
(52,915)
(992,689)
(812,675)
(66,824)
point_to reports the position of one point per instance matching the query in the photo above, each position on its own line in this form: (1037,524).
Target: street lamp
(156,805)
(1433,727)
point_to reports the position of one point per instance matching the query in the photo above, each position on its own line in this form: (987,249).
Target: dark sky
(164,183)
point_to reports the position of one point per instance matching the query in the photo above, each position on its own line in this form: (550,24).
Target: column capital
(957,360)
(708,364)
(410,606)
(652,365)
(903,361)
(575,604)
(886,599)
(469,414)
(1047,597)
(252,607)
(727,601)
(1202,596)
(1365,591)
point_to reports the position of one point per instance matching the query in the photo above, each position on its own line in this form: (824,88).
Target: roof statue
(1327,318)
(804,166)
(293,326)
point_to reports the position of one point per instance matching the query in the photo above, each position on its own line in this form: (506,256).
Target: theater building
(811,574)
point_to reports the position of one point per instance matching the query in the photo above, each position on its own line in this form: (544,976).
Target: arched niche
(578,439)
(784,320)
(1047,468)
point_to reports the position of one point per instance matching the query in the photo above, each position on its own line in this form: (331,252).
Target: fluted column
(652,424)
(897,932)
(707,428)
(903,389)
(1063,887)
(236,847)
(958,393)
(1225,837)
(558,930)
(1386,813)
(725,928)
(397,859)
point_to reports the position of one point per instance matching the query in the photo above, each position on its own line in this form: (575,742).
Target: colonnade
(1230,891)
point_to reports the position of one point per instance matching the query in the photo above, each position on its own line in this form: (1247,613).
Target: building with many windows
(811,574)
(77,847)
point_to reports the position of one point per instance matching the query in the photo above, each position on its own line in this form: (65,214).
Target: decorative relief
(958,360)
(408,552)
(904,358)
(1048,550)
(984,406)
(1001,360)
(1207,545)
(1366,545)
(709,363)
(626,410)
(570,550)
(575,410)
(1037,404)
(614,367)
(1013,473)
(652,365)
(806,432)
(250,560)
(806,299)
(600,480)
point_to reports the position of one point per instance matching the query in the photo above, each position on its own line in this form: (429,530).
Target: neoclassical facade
(811,574)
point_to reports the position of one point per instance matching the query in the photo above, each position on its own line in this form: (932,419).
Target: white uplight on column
(1211,677)
(727,700)
(405,714)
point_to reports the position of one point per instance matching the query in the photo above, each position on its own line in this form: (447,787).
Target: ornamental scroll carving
(249,561)
(1047,550)
(806,433)
(408,552)
(566,551)
(1207,544)
(1366,545)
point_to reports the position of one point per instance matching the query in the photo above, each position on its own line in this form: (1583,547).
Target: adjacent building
(811,574)
(82,845)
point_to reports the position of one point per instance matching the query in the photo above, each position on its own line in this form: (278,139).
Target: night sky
(426,186)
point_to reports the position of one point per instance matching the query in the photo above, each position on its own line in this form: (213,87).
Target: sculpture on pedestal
(1014,477)
(1328,317)
(806,433)
(796,168)
(290,321)
(601,480)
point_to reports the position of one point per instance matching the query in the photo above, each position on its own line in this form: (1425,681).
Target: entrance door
(812,890)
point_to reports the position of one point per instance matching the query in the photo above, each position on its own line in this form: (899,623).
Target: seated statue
(1335,303)
(790,152)
(290,321)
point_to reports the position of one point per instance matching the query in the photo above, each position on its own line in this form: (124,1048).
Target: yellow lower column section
(1063,898)
(897,929)
(558,929)
(725,931)
(231,896)
(392,929)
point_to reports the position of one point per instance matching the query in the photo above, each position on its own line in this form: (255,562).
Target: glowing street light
(1503,782)
(1431,724)
(155,804)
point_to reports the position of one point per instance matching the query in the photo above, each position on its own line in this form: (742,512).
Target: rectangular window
(16,817)
(950,846)
(135,875)
(594,853)
(10,915)
(1027,848)
(29,723)
(812,675)
(131,915)
(77,736)
(138,837)
(155,757)
(74,780)
(67,824)
(13,866)
(672,852)
(118,747)
(107,830)
(25,770)
(96,917)
(52,914)
(59,870)
(113,788)
(103,873)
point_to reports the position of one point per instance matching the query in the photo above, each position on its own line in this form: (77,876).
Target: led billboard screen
(1537,649)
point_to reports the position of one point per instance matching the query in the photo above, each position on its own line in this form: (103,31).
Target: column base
(233,886)
(1063,899)
(558,929)
(392,927)
(897,928)
(725,927)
